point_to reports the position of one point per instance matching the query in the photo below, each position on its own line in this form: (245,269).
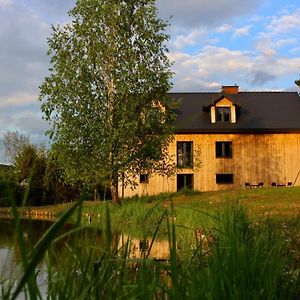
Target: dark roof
(256,112)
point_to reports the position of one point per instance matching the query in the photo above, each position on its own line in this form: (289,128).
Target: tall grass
(238,260)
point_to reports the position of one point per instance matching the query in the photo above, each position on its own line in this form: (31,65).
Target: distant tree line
(34,174)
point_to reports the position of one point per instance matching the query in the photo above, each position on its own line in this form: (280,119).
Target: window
(224,178)
(144,245)
(144,178)
(185,181)
(224,149)
(223,114)
(185,154)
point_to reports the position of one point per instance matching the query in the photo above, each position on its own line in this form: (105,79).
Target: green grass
(240,260)
(250,248)
(138,216)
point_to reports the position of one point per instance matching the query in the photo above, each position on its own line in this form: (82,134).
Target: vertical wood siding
(255,158)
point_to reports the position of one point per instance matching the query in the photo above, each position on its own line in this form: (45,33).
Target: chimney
(230,89)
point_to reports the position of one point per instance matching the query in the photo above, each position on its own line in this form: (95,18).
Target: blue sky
(252,43)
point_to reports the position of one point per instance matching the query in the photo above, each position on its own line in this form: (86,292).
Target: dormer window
(223,114)
(223,111)
(223,108)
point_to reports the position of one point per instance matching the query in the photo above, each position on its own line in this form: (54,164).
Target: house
(229,140)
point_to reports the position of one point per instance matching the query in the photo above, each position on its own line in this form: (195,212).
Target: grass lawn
(280,202)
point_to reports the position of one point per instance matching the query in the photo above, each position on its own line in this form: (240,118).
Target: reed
(236,259)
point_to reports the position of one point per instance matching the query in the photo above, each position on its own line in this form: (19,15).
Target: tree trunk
(95,194)
(114,190)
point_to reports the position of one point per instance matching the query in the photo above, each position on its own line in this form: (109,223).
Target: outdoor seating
(249,185)
(281,184)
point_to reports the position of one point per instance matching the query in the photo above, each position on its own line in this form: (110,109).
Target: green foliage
(106,97)
(30,166)
(37,173)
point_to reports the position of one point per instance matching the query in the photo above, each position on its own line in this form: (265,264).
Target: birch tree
(106,95)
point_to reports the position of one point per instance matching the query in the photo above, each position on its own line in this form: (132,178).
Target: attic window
(223,114)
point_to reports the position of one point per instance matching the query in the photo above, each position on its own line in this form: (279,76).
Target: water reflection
(88,237)
(158,249)
(33,230)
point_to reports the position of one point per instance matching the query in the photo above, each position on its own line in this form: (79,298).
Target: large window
(185,154)
(185,181)
(224,149)
(223,114)
(224,178)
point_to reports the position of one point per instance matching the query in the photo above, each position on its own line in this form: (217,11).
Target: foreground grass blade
(33,290)
(41,247)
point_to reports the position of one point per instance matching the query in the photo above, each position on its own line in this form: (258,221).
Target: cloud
(26,121)
(206,69)
(23,51)
(285,23)
(259,77)
(214,66)
(18,99)
(53,11)
(4,3)
(278,33)
(189,39)
(193,13)
(224,28)
(242,31)
(30,122)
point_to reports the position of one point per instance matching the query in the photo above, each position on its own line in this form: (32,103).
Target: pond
(33,230)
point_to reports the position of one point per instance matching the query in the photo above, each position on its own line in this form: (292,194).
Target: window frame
(222,153)
(220,111)
(185,186)
(185,159)
(146,180)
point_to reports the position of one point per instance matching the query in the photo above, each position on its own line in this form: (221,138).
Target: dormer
(223,109)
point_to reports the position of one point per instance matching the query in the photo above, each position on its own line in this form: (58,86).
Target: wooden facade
(231,140)
(256,158)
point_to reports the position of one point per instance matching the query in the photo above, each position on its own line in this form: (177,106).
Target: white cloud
(265,45)
(224,28)
(18,99)
(285,23)
(242,31)
(278,33)
(208,69)
(189,39)
(205,70)
(295,50)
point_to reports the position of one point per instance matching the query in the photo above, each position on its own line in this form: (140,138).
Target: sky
(252,43)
